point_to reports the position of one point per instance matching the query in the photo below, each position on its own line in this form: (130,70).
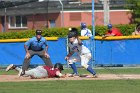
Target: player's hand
(27,55)
(64,76)
(47,55)
(67,58)
(103,36)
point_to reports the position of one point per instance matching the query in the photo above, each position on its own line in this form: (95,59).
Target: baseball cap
(38,32)
(71,34)
(83,25)
(109,26)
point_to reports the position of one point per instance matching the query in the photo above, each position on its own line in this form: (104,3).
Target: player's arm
(112,34)
(45,46)
(46,52)
(69,55)
(46,49)
(26,47)
(108,35)
(79,41)
(82,33)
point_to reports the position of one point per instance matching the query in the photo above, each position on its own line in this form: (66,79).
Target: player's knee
(84,65)
(70,61)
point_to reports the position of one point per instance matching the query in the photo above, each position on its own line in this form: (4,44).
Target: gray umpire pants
(41,54)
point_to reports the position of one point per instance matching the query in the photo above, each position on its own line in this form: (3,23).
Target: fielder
(84,54)
(85,31)
(40,71)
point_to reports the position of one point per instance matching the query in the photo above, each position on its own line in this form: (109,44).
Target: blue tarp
(15,53)
(106,52)
(118,52)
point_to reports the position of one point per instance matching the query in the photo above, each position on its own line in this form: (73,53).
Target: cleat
(10,67)
(21,73)
(89,76)
(95,76)
(73,75)
(83,75)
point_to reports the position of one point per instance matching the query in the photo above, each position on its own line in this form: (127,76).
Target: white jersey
(86,32)
(79,49)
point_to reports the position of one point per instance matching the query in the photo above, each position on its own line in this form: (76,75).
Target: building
(31,14)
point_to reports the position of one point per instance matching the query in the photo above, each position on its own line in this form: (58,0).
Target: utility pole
(106,12)
(62,13)
(47,14)
(5,19)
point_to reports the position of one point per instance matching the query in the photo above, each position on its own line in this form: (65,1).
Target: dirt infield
(15,78)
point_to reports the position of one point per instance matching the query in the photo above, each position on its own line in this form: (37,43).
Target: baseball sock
(17,68)
(74,68)
(91,70)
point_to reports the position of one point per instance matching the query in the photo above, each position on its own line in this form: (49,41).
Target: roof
(12,3)
(27,7)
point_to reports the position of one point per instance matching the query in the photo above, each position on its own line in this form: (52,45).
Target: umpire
(37,45)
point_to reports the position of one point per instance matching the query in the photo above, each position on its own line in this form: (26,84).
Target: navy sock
(74,68)
(91,70)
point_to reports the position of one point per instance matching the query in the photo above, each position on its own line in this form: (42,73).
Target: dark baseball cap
(71,34)
(38,32)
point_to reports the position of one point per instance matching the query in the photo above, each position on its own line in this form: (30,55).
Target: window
(17,21)
(52,23)
(75,16)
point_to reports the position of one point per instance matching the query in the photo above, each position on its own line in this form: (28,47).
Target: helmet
(73,33)
(83,25)
(59,66)
(109,26)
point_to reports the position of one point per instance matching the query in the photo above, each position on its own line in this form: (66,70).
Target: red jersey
(115,31)
(51,71)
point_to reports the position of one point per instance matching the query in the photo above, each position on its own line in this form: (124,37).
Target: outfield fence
(109,51)
(118,51)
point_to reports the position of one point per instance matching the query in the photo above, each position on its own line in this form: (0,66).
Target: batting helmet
(83,25)
(73,33)
(109,26)
(59,66)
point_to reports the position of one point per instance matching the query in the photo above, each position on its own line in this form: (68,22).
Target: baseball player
(137,30)
(85,31)
(40,71)
(112,31)
(84,54)
(37,45)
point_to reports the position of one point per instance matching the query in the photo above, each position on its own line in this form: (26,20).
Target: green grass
(105,70)
(109,70)
(76,86)
(83,86)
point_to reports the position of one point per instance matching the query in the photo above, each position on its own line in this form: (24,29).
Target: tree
(134,6)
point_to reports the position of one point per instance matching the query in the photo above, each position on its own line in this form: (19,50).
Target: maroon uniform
(51,71)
